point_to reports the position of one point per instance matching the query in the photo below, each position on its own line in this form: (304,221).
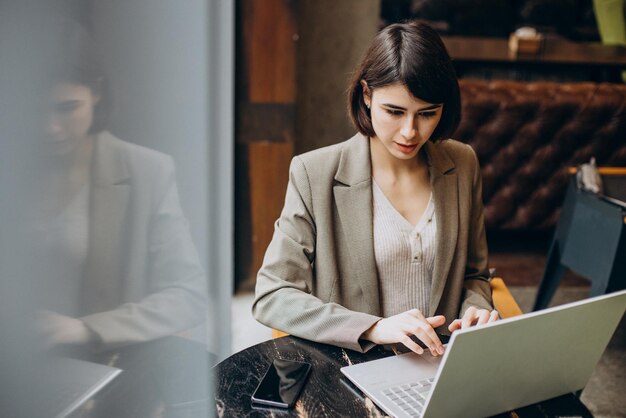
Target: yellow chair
(503,301)
(277,334)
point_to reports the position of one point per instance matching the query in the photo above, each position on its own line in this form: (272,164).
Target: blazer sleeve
(477,290)
(284,298)
(175,287)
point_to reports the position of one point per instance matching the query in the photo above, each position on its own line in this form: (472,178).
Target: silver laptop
(68,383)
(497,367)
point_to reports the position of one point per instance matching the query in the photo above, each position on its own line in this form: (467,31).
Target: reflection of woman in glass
(117,262)
(382,238)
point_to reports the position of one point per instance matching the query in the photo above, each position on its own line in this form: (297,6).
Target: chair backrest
(590,238)
(593,238)
(614,182)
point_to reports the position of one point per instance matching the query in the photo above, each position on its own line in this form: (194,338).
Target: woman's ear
(367,96)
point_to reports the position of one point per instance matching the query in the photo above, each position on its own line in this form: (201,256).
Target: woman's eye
(427,114)
(394,112)
(66,107)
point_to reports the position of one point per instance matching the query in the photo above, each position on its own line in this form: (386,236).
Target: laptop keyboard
(410,397)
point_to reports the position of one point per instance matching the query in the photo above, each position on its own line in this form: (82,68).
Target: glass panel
(116,133)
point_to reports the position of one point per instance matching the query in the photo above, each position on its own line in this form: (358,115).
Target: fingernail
(440,349)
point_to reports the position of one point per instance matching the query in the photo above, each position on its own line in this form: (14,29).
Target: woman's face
(69,117)
(402,123)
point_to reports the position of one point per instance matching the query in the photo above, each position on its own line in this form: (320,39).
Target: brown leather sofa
(527,134)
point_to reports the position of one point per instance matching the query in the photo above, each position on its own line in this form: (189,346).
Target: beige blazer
(143,277)
(319,281)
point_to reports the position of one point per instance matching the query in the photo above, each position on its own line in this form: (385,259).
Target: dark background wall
(333,37)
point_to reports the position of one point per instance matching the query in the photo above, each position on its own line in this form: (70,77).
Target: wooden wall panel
(265,125)
(269,34)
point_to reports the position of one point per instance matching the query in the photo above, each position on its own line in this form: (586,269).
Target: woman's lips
(407,149)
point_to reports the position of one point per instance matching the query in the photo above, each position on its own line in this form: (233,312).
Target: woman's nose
(408,128)
(52,126)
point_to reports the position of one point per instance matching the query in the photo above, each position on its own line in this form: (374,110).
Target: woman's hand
(399,329)
(473,316)
(58,329)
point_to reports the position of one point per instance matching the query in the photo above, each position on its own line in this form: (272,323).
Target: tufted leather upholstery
(526,135)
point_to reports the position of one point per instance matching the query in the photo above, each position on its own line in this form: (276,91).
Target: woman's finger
(494,316)
(483,317)
(436,321)
(454,325)
(469,318)
(412,345)
(424,332)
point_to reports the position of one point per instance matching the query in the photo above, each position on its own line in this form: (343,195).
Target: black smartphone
(281,383)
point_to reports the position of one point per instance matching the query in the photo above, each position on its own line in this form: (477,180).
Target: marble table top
(327,393)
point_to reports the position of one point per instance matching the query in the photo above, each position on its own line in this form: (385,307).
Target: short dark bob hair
(71,57)
(411,54)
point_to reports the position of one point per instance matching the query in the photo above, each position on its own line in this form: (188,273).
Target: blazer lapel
(353,197)
(444,185)
(103,278)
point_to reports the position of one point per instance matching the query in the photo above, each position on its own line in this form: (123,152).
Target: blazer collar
(354,163)
(353,197)
(438,160)
(109,165)
(444,184)
(103,281)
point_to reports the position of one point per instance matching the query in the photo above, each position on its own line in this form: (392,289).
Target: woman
(382,237)
(116,260)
